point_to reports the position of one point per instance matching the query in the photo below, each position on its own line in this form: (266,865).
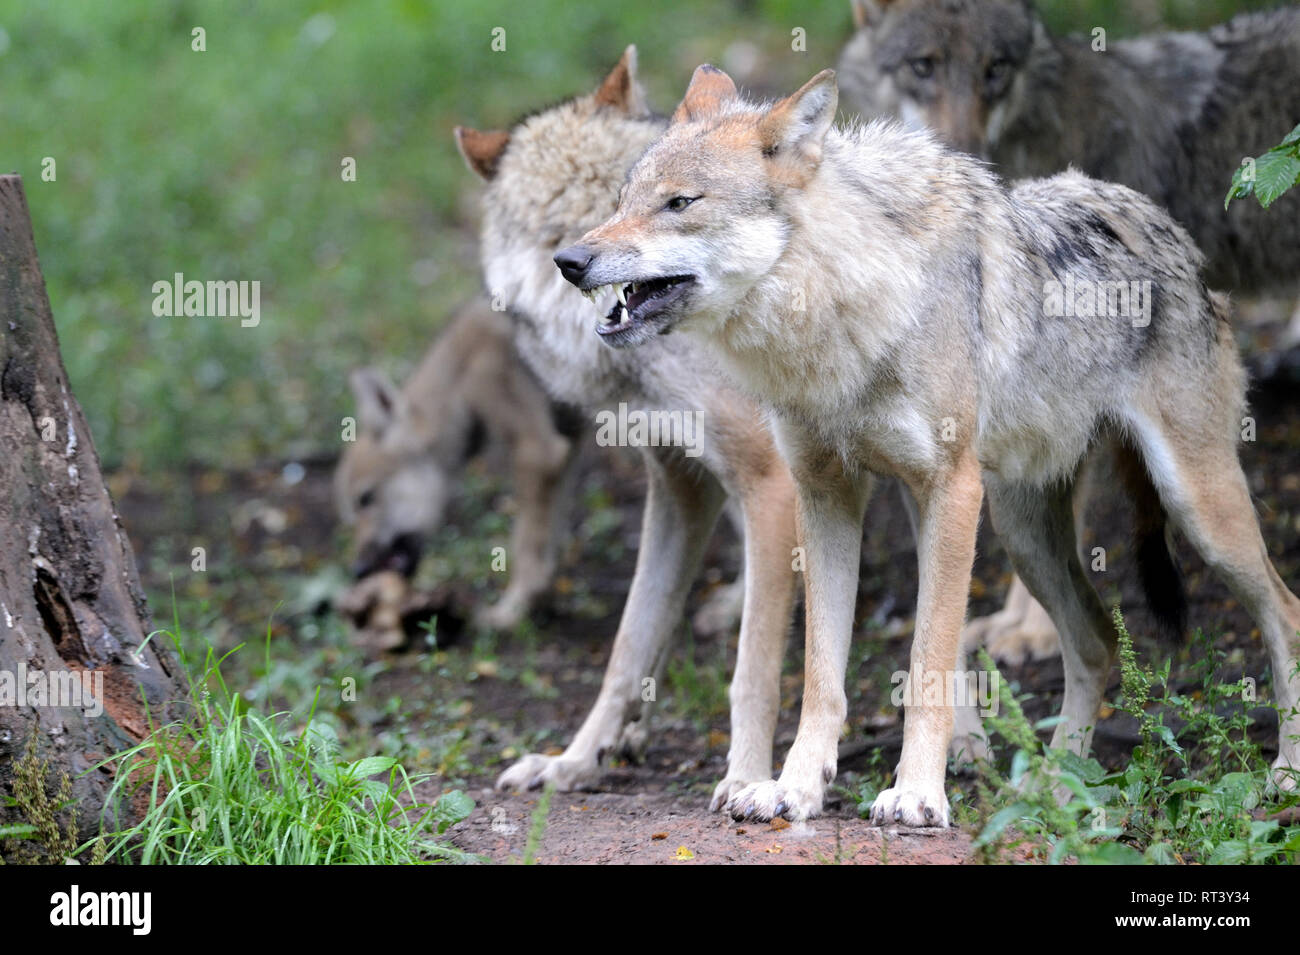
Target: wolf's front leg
(949,518)
(682,504)
(830,511)
(769,580)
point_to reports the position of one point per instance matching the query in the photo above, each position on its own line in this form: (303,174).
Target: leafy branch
(1268,176)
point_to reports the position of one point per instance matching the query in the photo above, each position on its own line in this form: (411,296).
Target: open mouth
(401,556)
(637,302)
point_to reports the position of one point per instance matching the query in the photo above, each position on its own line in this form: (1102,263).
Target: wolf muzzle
(574,263)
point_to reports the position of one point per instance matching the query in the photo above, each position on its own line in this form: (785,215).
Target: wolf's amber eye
(922,66)
(678,203)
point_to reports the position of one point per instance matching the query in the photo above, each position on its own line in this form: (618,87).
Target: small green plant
(41,837)
(537,825)
(1268,176)
(866,787)
(1173,802)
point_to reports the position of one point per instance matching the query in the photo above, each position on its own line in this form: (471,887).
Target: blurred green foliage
(225,164)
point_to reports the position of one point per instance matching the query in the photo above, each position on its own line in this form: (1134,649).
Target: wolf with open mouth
(883,297)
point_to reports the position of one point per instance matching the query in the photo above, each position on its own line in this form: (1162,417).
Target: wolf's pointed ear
(482,151)
(378,401)
(867,13)
(621,90)
(795,127)
(709,89)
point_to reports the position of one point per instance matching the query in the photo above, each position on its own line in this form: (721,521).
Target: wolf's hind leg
(1199,478)
(1036,526)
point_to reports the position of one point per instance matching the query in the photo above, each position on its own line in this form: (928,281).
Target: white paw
(1020,631)
(1285,775)
(506,614)
(1015,644)
(916,807)
(633,741)
(772,798)
(721,612)
(728,788)
(536,770)
(968,748)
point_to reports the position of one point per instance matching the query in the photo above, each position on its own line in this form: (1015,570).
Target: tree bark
(70,597)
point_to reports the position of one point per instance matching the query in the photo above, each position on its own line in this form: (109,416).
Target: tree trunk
(71,607)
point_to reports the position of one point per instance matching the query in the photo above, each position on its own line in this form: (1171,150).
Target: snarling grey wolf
(393,482)
(549,179)
(1169,114)
(898,311)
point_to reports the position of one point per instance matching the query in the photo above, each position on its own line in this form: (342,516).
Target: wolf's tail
(1162,581)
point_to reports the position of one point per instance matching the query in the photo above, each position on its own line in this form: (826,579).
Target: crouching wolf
(550,178)
(394,480)
(899,311)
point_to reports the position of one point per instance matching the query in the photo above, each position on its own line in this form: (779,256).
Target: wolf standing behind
(884,297)
(1169,114)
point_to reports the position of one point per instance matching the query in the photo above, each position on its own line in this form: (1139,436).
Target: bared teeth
(621,291)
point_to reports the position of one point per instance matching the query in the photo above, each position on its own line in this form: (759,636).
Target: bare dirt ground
(509,695)
(647,828)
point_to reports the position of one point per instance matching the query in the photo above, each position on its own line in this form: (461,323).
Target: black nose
(574,262)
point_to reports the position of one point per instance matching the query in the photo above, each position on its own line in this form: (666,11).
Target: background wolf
(550,178)
(1169,114)
(884,297)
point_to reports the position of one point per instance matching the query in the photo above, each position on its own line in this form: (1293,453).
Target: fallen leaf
(683,854)
(659,835)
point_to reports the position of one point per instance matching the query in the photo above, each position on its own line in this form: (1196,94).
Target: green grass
(226,164)
(229,785)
